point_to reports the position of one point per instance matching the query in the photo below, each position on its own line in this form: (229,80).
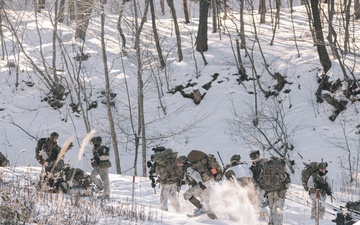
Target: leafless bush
(21,202)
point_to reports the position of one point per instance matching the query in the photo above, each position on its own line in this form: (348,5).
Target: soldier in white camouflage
(255,167)
(319,180)
(199,188)
(167,176)
(101,164)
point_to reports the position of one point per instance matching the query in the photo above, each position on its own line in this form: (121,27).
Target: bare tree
(156,35)
(265,125)
(107,92)
(320,43)
(262,10)
(71,9)
(186,11)
(61,15)
(83,14)
(201,39)
(140,135)
(2,41)
(119,26)
(357,9)
(177,30)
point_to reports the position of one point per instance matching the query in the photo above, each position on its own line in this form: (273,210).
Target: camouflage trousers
(196,191)
(276,205)
(321,207)
(169,193)
(104,183)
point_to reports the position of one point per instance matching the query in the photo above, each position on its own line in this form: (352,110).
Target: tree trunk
(56,79)
(214,16)
(71,9)
(331,8)
(320,43)
(61,11)
(225,10)
(201,39)
(277,20)
(347,4)
(162,6)
(357,9)
(141,117)
(156,36)
(177,30)
(242,25)
(262,10)
(2,40)
(119,27)
(186,12)
(107,93)
(83,14)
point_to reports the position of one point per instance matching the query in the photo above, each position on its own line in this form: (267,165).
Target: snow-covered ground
(24,115)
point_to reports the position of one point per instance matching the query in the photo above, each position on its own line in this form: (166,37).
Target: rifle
(152,170)
(224,169)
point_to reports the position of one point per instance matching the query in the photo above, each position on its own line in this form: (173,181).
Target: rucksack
(273,176)
(38,149)
(167,160)
(4,162)
(79,177)
(310,169)
(206,164)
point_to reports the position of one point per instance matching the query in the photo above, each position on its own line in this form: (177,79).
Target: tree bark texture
(107,93)
(186,12)
(71,9)
(156,35)
(177,30)
(83,14)
(201,39)
(319,41)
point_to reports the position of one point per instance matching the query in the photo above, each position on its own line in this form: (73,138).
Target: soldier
(168,176)
(198,187)
(50,151)
(240,171)
(255,168)
(275,181)
(101,164)
(318,180)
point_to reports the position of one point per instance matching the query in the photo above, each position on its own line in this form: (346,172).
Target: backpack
(306,173)
(206,165)
(79,177)
(4,162)
(38,149)
(167,160)
(273,176)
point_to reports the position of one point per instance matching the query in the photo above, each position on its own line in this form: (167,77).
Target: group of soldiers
(245,176)
(178,170)
(48,155)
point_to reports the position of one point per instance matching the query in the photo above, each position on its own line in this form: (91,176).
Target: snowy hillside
(220,123)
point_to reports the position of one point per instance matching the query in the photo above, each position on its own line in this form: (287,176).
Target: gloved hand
(149,164)
(202,186)
(94,163)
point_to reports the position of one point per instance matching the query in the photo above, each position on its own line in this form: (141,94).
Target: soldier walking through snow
(198,187)
(255,168)
(275,181)
(49,151)
(101,164)
(318,180)
(239,171)
(168,176)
